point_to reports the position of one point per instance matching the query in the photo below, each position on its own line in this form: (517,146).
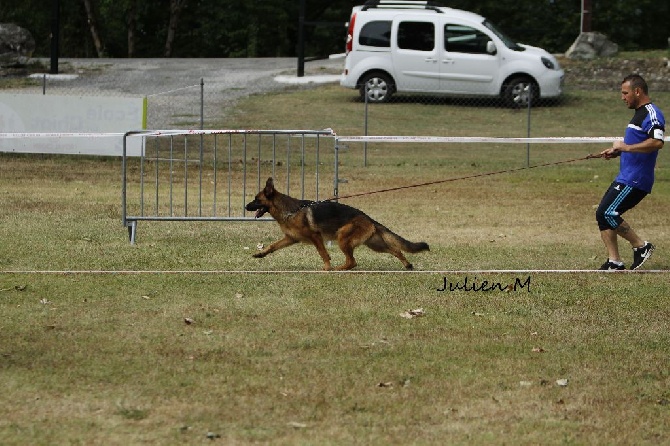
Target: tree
(131,23)
(93,27)
(176,7)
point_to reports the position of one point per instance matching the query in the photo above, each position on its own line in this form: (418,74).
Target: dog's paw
(409,266)
(259,255)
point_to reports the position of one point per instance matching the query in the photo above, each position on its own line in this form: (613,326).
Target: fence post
(336,181)
(530,99)
(202,104)
(365,132)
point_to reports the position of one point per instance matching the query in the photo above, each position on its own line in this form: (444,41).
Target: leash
(478,175)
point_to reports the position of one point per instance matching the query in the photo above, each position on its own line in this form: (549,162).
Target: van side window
(418,36)
(376,34)
(463,39)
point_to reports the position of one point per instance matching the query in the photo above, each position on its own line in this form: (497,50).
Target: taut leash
(467,177)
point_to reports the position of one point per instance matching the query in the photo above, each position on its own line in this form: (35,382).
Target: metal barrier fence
(210,175)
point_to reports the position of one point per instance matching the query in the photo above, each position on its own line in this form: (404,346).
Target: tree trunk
(175,9)
(131,22)
(93,26)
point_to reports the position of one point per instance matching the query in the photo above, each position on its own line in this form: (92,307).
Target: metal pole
(301,40)
(365,144)
(529,89)
(202,104)
(55,32)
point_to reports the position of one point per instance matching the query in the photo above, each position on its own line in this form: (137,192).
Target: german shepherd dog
(314,222)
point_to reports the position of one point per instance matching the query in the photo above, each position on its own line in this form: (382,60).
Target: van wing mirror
(491,47)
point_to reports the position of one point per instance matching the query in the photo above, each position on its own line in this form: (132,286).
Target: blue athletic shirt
(637,169)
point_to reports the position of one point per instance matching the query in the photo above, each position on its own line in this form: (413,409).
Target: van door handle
(448,61)
(431,59)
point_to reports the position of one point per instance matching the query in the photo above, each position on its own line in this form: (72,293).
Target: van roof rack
(402,4)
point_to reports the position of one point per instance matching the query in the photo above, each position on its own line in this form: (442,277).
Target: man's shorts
(618,199)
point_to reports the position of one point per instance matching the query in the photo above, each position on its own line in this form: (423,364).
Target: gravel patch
(173,86)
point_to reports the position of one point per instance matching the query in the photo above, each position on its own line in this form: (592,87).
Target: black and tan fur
(316,222)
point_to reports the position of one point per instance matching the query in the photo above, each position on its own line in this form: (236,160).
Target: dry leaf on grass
(385,384)
(297,425)
(189,321)
(538,350)
(410,314)
(15,288)
(562,382)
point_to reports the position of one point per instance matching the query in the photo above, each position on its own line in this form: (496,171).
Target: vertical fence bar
(230,173)
(288,165)
(202,106)
(317,165)
(302,166)
(124,179)
(258,173)
(171,165)
(202,162)
(157,177)
(336,181)
(244,173)
(274,155)
(185,176)
(529,89)
(216,168)
(142,155)
(365,132)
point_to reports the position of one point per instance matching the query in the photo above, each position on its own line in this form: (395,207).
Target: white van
(411,46)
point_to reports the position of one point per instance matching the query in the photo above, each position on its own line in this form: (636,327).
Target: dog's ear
(269,190)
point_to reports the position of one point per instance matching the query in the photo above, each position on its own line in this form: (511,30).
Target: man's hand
(610,153)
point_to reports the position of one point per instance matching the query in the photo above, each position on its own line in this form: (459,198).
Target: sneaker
(611,266)
(641,255)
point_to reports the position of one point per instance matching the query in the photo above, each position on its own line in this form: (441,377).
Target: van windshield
(509,43)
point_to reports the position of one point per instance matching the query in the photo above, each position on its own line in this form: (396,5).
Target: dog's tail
(393,239)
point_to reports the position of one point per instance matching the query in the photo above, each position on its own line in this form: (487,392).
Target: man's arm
(649,145)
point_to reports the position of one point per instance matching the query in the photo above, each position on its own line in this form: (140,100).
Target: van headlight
(548,63)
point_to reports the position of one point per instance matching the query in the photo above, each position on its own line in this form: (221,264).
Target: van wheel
(519,90)
(377,86)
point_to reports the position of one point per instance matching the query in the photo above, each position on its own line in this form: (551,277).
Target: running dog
(317,221)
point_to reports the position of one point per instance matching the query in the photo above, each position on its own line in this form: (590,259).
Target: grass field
(291,355)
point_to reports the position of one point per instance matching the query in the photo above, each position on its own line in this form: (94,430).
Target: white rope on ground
(480,139)
(242,272)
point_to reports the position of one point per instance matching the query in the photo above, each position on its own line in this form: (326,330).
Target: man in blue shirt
(643,139)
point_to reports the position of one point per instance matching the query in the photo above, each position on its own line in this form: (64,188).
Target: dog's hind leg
(349,237)
(378,244)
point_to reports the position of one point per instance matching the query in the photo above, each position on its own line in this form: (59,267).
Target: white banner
(106,119)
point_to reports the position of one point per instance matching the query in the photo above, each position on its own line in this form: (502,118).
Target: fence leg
(132,230)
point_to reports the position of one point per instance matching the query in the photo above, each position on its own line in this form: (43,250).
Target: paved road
(172,86)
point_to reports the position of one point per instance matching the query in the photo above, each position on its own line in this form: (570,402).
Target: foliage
(269,28)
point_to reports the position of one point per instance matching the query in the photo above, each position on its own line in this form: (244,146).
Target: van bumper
(551,84)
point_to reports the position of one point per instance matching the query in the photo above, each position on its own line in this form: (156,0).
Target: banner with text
(104,119)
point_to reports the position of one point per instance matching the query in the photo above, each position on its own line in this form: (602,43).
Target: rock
(16,45)
(591,45)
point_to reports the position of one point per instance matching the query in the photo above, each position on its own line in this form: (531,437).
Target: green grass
(327,358)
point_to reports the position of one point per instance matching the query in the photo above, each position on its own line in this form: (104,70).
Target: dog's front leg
(317,240)
(279,244)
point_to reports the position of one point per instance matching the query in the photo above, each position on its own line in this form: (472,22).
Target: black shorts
(618,199)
